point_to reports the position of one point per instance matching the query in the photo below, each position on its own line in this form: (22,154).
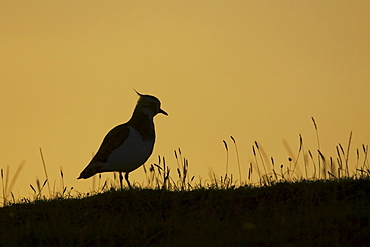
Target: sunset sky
(255,70)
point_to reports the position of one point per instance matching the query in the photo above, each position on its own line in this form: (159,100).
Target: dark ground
(320,213)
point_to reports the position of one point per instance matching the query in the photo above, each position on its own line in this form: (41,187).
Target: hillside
(320,213)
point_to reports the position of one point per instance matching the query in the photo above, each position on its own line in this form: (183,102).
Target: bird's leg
(126,177)
(120,179)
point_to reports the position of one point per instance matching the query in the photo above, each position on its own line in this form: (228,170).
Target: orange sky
(256,70)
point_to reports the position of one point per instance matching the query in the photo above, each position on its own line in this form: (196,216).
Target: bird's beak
(163,112)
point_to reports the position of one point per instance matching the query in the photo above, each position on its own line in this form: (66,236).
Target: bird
(127,146)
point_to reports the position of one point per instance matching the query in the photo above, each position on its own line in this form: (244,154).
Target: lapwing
(127,146)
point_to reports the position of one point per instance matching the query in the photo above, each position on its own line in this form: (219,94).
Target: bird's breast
(133,152)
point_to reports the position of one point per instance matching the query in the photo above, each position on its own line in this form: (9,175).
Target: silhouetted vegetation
(306,213)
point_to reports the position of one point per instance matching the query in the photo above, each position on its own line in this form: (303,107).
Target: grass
(324,204)
(306,213)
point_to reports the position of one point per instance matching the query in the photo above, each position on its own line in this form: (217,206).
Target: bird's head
(149,105)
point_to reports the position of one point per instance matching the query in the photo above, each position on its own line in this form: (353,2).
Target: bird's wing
(112,140)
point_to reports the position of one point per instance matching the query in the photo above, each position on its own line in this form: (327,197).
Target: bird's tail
(91,170)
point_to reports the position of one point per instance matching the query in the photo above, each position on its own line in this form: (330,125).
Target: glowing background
(256,70)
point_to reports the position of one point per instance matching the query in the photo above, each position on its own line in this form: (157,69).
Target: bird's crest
(137,92)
